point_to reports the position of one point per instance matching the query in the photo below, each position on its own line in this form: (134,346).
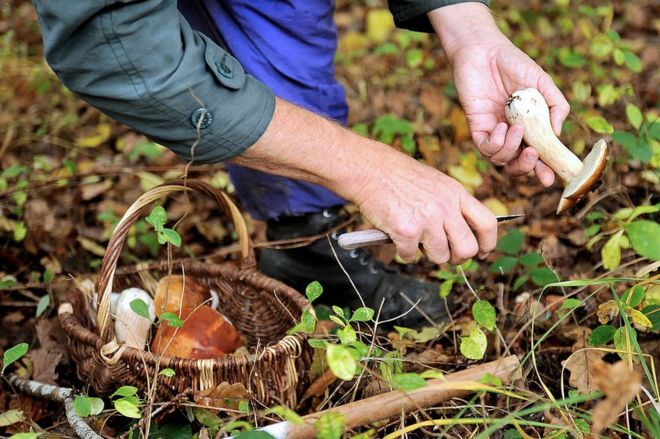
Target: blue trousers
(290,46)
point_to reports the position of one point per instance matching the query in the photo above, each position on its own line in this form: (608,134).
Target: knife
(363,238)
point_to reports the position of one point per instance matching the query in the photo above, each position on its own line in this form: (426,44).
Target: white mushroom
(529,109)
(130,327)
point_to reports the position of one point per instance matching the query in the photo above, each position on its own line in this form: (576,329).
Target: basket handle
(134,213)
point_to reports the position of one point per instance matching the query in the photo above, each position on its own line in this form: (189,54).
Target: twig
(59,394)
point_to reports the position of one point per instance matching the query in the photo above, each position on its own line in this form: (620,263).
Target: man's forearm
(463,24)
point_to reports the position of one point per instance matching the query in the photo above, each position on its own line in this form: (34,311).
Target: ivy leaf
(140,308)
(601,335)
(473,347)
(127,409)
(511,243)
(503,264)
(408,381)
(645,238)
(13,354)
(341,362)
(362,314)
(82,406)
(313,291)
(484,314)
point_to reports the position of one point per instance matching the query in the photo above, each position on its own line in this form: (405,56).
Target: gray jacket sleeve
(411,14)
(140,62)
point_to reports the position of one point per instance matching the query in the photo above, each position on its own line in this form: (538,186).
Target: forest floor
(562,292)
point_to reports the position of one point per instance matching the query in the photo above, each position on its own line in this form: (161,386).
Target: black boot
(299,266)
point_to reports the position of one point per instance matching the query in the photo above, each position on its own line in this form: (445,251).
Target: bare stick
(391,404)
(54,393)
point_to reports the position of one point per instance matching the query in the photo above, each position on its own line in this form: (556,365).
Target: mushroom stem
(529,109)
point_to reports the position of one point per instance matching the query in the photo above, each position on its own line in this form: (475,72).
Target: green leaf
(313,291)
(346,335)
(504,264)
(634,115)
(632,61)
(571,59)
(484,314)
(140,308)
(474,346)
(633,296)
(638,318)
(167,372)
(251,434)
(611,251)
(625,139)
(24,435)
(599,124)
(432,374)
(414,58)
(445,288)
(11,417)
(20,231)
(408,381)
(96,406)
(82,406)
(339,311)
(287,414)
(543,276)
(531,259)
(424,335)
(173,430)
(317,343)
(330,426)
(652,312)
(519,282)
(341,362)
(172,237)
(620,340)
(362,314)
(511,243)
(125,391)
(512,434)
(645,238)
(643,209)
(13,171)
(244,407)
(157,218)
(307,323)
(127,409)
(44,301)
(171,319)
(568,305)
(13,354)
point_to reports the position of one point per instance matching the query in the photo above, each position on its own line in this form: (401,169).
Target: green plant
(388,127)
(641,143)
(532,264)
(13,354)
(157,218)
(453,276)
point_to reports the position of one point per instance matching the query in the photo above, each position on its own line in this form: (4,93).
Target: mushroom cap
(579,186)
(205,334)
(177,292)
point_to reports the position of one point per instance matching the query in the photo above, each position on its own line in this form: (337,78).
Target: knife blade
(363,238)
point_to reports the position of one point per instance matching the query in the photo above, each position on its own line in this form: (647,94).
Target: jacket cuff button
(201,118)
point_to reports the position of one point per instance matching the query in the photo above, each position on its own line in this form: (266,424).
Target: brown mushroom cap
(176,292)
(205,334)
(579,186)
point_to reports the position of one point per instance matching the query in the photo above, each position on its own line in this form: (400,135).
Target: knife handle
(362,238)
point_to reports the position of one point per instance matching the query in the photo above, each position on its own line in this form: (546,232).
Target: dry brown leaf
(44,363)
(620,385)
(224,395)
(581,363)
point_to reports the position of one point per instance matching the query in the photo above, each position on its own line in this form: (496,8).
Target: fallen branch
(59,394)
(390,404)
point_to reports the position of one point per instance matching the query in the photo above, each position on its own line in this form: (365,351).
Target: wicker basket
(262,309)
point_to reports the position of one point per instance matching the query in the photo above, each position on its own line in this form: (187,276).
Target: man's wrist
(463,24)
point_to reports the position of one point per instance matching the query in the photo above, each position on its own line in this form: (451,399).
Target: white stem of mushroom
(529,109)
(131,328)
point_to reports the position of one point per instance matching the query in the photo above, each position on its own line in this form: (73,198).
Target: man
(142,63)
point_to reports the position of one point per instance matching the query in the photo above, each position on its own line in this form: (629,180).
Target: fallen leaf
(496,206)
(458,120)
(224,395)
(620,385)
(607,311)
(379,25)
(44,363)
(99,136)
(580,364)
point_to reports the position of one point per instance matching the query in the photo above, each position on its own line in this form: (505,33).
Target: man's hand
(487,68)
(413,203)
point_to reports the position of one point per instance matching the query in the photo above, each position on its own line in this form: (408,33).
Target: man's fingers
(511,148)
(483,223)
(559,107)
(407,243)
(436,247)
(462,243)
(524,163)
(489,145)
(544,173)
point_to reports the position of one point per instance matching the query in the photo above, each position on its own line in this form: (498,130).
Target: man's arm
(142,64)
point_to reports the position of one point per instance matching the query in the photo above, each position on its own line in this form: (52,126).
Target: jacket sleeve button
(201,118)
(223,68)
